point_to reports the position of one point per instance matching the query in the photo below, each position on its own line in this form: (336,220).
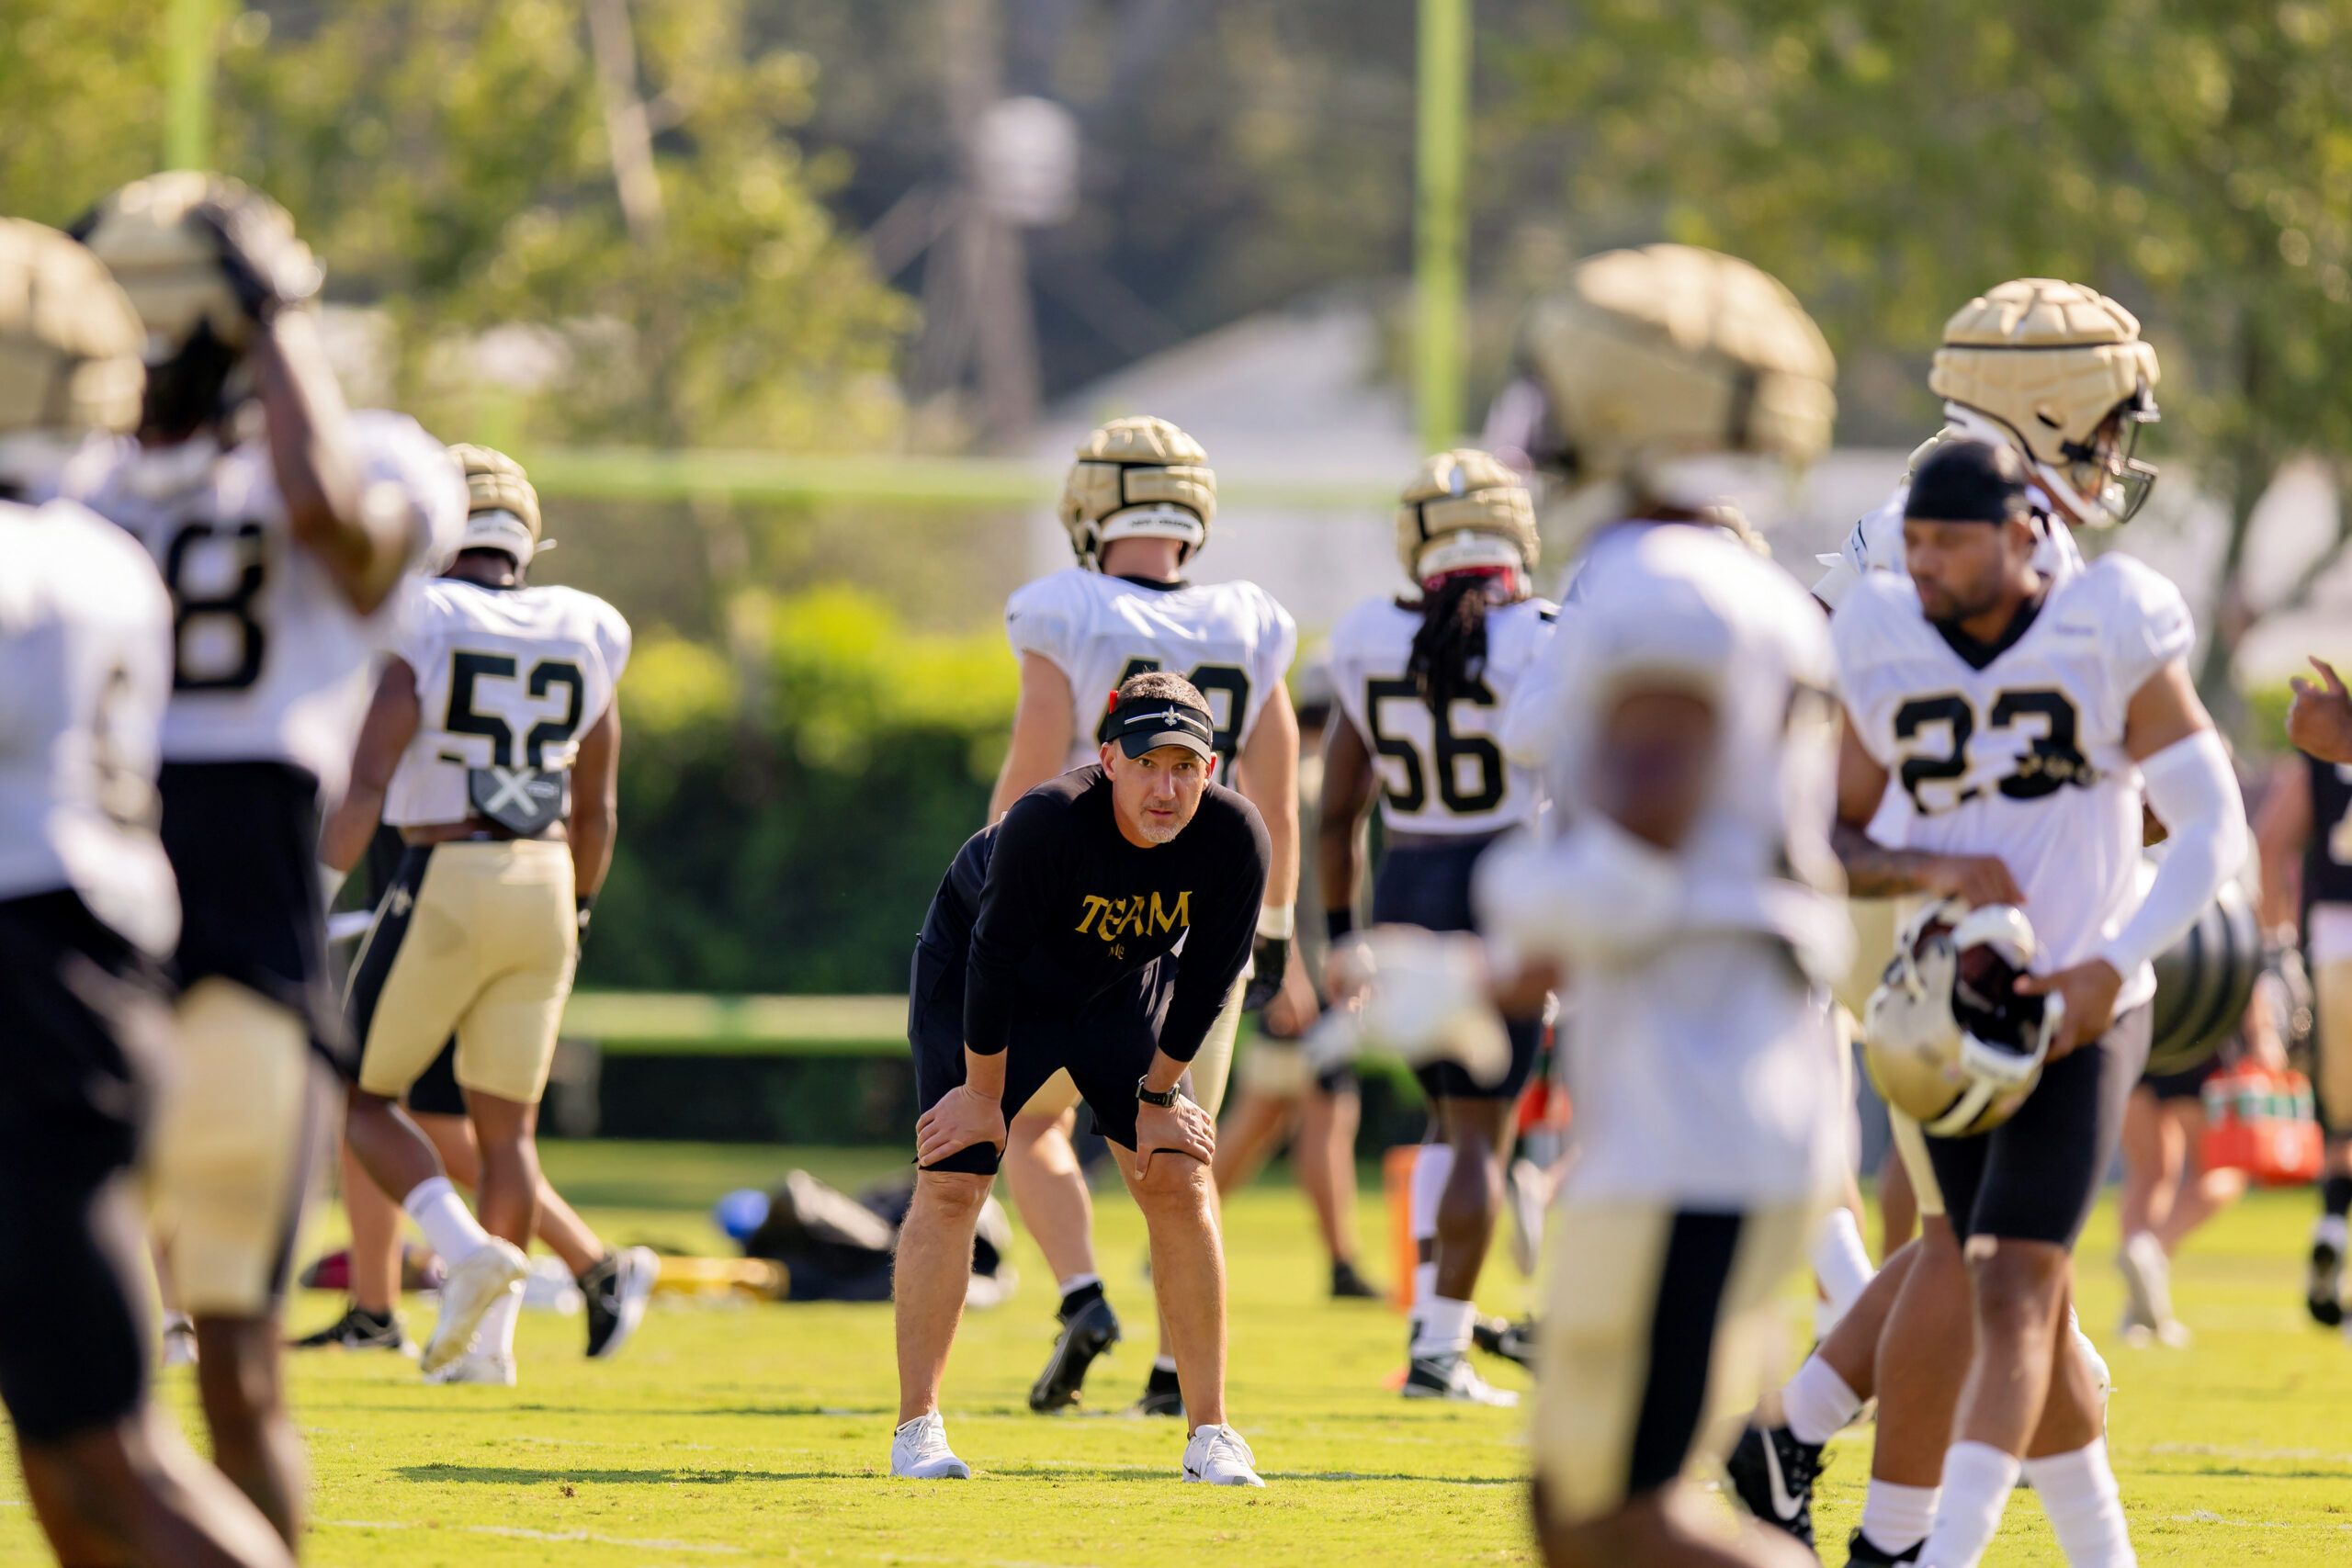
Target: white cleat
(2100,1374)
(179,1341)
(494,1269)
(1453,1378)
(489,1368)
(2147,1279)
(1217,1456)
(918,1451)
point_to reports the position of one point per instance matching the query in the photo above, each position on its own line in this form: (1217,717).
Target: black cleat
(1860,1553)
(1346,1285)
(2324,1286)
(616,1289)
(357,1330)
(1163,1396)
(1773,1474)
(1513,1342)
(1089,1328)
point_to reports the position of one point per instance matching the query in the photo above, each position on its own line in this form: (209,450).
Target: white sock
(1080,1282)
(1978,1479)
(1163,1363)
(1816,1404)
(496,1334)
(2086,1508)
(449,1227)
(1896,1518)
(2331,1229)
(1840,1260)
(1432,1169)
(1441,1327)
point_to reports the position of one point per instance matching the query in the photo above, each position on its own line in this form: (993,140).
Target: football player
(282,524)
(493,744)
(2305,831)
(1137,504)
(1422,684)
(88,913)
(2026,721)
(1683,723)
(2073,424)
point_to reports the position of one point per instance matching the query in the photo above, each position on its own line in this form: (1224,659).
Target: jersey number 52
(471,678)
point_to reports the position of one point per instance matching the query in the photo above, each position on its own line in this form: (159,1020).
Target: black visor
(1142,724)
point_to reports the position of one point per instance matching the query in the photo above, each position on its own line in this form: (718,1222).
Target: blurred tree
(2190,158)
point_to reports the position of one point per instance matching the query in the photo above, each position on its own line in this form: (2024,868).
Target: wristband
(581,907)
(1338,923)
(1277,922)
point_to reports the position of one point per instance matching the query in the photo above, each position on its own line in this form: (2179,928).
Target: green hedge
(787,811)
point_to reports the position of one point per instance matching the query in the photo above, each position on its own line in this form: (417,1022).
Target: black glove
(267,267)
(1269,958)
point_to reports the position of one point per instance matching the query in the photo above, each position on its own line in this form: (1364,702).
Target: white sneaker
(494,1270)
(918,1451)
(488,1367)
(1452,1377)
(179,1341)
(2147,1279)
(1217,1456)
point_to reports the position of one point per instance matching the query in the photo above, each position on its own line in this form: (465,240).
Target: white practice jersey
(1449,775)
(271,662)
(1703,1073)
(2017,752)
(1876,544)
(505,677)
(1228,639)
(85,669)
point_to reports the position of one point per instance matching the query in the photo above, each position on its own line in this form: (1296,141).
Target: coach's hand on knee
(963,1117)
(1182,1128)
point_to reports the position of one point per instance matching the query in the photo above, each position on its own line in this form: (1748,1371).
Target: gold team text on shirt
(1137,915)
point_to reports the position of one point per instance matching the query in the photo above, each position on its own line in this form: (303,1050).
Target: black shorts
(244,842)
(2189,1085)
(1107,1045)
(1428,884)
(437,1093)
(2036,1177)
(84,1027)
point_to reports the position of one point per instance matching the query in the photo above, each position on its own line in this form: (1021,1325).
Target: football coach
(1097,927)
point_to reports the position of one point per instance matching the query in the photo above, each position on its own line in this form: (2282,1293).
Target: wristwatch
(1145,1094)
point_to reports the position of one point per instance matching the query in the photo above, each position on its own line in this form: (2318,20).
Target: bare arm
(1269,779)
(365,546)
(2281,831)
(1041,733)
(384,736)
(1873,871)
(1349,781)
(2164,711)
(595,801)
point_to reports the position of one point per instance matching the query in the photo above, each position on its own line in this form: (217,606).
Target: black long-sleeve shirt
(1056,906)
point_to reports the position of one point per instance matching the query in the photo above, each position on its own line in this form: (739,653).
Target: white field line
(2207,1516)
(517,1533)
(2247,1451)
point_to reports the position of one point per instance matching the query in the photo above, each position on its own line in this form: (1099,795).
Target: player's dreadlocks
(1450,650)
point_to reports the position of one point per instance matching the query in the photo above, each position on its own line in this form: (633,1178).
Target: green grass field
(761,1434)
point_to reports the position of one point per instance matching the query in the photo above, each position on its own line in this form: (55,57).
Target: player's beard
(1155,834)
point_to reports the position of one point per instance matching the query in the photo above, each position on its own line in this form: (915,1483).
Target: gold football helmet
(69,340)
(1649,356)
(171,241)
(2058,371)
(1137,479)
(1464,509)
(1947,1040)
(501,509)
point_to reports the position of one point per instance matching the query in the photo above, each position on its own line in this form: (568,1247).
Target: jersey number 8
(217,645)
